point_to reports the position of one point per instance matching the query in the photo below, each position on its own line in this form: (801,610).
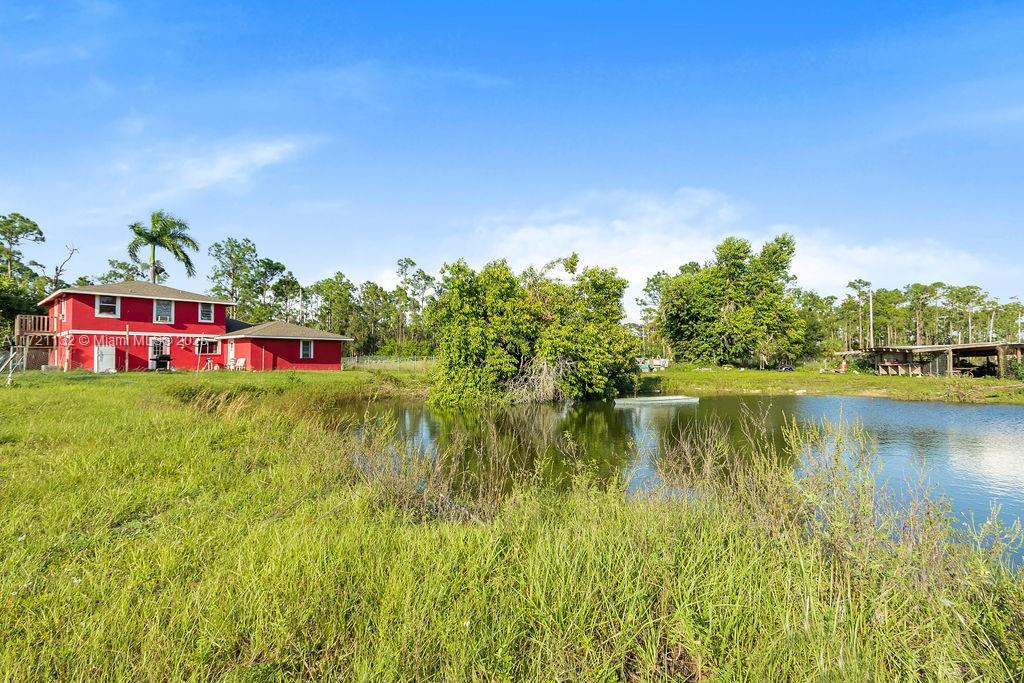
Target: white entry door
(106,359)
(231,351)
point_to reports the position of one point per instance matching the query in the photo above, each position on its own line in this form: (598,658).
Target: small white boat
(656,400)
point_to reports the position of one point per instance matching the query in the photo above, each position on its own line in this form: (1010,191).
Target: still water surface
(971,454)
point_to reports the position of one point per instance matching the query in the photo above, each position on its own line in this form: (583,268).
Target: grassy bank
(350,384)
(157,528)
(681,379)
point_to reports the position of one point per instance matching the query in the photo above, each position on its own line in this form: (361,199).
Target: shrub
(1015,368)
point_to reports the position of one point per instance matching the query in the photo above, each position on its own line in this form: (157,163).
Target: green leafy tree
(892,318)
(921,298)
(819,315)
(496,331)
(737,308)
(412,296)
(23,284)
(378,314)
(652,341)
(163,232)
(334,304)
(234,262)
(861,289)
(15,299)
(241,275)
(15,230)
(287,296)
(1010,320)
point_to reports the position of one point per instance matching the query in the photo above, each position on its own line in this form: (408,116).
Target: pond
(971,454)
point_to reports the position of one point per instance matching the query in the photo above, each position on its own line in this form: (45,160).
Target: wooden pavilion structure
(943,359)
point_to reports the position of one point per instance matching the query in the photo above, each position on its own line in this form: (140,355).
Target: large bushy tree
(735,309)
(496,331)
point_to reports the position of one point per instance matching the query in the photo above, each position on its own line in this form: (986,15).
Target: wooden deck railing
(33,325)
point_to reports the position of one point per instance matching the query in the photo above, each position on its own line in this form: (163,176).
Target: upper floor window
(108,306)
(205,313)
(163,311)
(306,348)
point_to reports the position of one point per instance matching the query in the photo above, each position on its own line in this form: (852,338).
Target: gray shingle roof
(279,329)
(143,290)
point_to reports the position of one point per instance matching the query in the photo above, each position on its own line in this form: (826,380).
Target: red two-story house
(141,325)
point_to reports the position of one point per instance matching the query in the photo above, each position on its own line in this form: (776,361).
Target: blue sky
(888,137)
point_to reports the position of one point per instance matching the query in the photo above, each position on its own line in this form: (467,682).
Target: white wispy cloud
(176,169)
(641,234)
(232,163)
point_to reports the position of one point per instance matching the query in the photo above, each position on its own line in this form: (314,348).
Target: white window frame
(204,319)
(63,308)
(301,343)
(208,341)
(163,322)
(117,306)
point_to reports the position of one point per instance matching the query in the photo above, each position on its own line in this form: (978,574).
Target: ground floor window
(306,348)
(206,347)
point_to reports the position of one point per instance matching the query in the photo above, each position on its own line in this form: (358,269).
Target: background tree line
(382,321)
(741,306)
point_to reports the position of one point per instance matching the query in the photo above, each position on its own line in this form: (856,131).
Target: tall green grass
(158,530)
(683,379)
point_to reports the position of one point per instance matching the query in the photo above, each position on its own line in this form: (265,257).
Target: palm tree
(167,232)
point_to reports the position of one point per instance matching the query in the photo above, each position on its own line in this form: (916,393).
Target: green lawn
(683,379)
(161,527)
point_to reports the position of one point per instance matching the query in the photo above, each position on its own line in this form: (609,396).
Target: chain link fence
(390,362)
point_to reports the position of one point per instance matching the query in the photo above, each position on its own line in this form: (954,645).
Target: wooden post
(949,362)
(1001,361)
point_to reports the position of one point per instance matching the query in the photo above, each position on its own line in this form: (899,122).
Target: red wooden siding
(283,354)
(81,331)
(138,315)
(81,350)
